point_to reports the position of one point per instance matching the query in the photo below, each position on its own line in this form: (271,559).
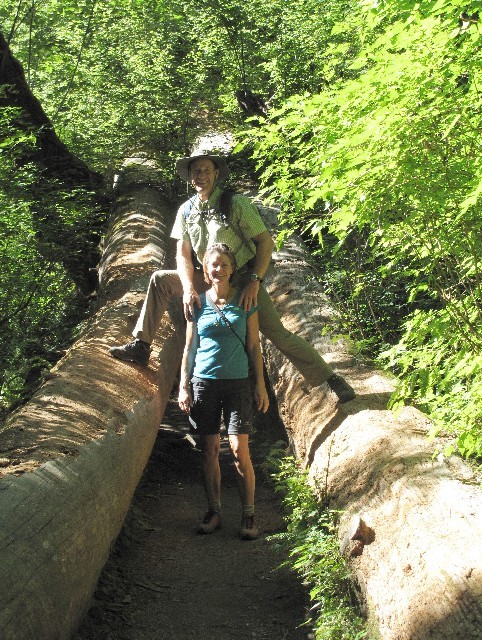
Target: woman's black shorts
(212,399)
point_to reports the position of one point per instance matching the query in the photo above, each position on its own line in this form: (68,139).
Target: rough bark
(412,523)
(72,457)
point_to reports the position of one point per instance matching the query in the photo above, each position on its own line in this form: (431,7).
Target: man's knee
(164,280)
(273,329)
(161,274)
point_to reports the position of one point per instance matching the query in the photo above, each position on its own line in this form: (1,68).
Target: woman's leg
(239,445)
(210,446)
(205,416)
(238,417)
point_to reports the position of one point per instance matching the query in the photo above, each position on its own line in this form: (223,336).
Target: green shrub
(313,551)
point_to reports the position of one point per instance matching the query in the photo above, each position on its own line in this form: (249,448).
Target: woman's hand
(261,397)
(185,399)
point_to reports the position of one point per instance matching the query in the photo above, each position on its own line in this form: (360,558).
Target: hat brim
(182,166)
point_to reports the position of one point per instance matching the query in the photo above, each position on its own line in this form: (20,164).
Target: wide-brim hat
(182,165)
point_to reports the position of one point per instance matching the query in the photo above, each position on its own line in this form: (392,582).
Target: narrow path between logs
(164,582)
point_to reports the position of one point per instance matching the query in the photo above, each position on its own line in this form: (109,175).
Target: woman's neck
(220,290)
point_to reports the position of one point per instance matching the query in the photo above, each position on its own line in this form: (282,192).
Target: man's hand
(249,295)
(190,299)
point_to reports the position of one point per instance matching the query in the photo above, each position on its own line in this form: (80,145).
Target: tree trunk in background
(58,169)
(411,524)
(51,152)
(72,457)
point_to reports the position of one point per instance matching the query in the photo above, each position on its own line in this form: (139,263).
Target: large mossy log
(72,457)
(411,523)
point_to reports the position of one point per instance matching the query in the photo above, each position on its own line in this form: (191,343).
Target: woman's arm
(187,366)
(253,348)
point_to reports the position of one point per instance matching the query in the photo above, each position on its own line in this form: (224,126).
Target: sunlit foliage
(383,172)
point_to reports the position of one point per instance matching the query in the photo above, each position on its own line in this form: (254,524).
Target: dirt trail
(165,582)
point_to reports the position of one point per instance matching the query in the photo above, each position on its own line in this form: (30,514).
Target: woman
(214,381)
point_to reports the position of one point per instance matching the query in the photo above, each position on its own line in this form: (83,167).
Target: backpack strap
(188,206)
(225,204)
(186,213)
(225,211)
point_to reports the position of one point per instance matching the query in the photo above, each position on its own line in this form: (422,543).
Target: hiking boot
(211,522)
(136,351)
(341,387)
(249,530)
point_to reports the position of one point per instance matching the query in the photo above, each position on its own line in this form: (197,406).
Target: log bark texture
(412,523)
(72,457)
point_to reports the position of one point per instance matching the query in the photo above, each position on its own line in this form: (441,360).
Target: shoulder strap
(226,210)
(219,311)
(188,207)
(225,204)
(186,213)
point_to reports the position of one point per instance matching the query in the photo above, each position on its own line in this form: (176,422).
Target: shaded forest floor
(164,581)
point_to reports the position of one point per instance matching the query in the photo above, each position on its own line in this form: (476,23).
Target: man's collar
(210,202)
(214,197)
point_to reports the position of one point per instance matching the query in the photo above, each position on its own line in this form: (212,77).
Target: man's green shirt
(204,226)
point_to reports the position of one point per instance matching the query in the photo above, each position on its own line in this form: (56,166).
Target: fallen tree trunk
(411,524)
(72,457)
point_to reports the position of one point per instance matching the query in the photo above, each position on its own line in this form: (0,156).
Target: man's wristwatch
(255,278)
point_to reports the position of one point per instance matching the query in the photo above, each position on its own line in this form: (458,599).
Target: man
(198,225)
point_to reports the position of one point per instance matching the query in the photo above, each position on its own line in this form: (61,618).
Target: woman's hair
(218,247)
